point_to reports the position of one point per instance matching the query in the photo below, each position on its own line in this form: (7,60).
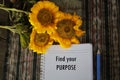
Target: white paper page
(74,63)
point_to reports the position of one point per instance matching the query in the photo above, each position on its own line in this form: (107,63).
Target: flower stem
(13,9)
(1,4)
(9,28)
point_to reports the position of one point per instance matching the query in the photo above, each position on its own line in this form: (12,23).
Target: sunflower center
(41,39)
(45,17)
(65,28)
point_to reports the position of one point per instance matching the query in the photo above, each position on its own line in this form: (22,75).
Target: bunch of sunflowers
(50,25)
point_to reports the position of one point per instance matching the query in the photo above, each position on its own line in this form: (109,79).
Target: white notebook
(74,63)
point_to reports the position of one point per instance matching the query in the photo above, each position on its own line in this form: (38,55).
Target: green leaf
(24,40)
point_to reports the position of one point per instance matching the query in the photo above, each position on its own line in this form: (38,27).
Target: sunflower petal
(75,40)
(80,33)
(65,43)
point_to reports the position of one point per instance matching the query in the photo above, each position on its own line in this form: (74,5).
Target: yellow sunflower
(39,42)
(43,15)
(67,30)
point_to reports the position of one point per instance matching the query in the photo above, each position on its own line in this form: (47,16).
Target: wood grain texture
(101,21)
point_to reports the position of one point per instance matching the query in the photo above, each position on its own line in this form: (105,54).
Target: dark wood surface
(3,39)
(108,29)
